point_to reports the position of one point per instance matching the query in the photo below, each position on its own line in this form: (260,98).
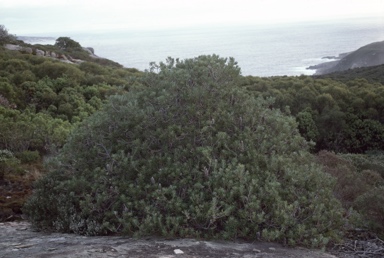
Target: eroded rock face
(17,239)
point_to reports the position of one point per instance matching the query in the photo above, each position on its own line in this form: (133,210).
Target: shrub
(7,162)
(22,131)
(371,205)
(371,161)
(349,184)
(358,187)
(5,37)
(15,66)
(56,69)
(28,156)
(189,156)
(93,68)
(7,91)
(67,43)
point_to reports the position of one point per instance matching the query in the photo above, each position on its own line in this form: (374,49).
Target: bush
(28,156)
(189,156)
(371,205)
(56,69)
(5,37)
(93,68)
(349,183)
(358,186)
(67,43)
(7,162)
(370,161)
(23,131)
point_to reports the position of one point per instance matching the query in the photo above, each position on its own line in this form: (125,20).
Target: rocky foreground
(17,239)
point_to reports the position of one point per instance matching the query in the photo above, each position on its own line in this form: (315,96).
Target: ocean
(260,50)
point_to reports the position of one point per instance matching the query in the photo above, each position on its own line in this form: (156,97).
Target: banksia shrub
(191,155)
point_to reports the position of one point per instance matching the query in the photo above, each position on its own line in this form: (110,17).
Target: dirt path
(18,240)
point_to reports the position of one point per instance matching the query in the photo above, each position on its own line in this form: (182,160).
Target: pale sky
(38,17)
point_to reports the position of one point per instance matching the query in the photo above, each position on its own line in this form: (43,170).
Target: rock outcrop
(50,54)
(17,239)
(369,55)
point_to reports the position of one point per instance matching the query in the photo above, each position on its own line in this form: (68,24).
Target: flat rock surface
(18,240)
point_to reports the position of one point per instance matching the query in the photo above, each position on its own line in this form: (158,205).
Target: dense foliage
(340,116)
(191,155)
(371,74)
(360,186)
(41,99)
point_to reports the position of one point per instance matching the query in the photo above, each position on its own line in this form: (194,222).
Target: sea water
(260,50)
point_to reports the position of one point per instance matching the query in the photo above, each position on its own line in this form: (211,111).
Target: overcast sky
(50,17)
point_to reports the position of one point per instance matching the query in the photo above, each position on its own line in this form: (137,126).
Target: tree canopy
(67,43)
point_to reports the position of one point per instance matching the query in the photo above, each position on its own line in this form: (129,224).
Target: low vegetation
(189,148)
(41,101)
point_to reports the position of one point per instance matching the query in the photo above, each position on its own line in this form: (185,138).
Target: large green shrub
(190,155)
(56,69)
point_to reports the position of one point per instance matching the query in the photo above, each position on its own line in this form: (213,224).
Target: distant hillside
(372,74)
(369,55)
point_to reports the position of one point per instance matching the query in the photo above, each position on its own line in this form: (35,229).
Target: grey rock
(27,50)
(51,54)
(40,52)
(13,47)
(17,239)
(90,50)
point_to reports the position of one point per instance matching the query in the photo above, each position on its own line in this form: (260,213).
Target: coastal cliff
(369,55)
